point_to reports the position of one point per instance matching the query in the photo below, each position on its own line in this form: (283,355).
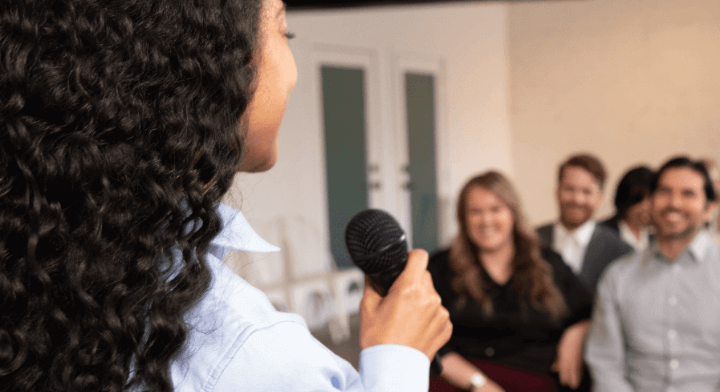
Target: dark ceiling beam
(328,4)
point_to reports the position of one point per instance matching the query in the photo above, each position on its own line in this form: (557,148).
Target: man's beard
(691,229)
(572,223)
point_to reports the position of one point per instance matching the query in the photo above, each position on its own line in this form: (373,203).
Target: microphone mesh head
(375,241)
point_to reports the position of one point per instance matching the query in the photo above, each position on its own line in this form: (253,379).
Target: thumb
(370,298)
(416,266)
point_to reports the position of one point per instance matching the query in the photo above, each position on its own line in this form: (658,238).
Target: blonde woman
(518,312)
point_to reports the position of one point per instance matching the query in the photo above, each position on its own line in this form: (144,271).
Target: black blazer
(613,222)
(604,247)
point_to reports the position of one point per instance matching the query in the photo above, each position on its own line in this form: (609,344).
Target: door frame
(367,60)
(401,64)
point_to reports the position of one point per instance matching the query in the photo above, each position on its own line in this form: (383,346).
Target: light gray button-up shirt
(656,322)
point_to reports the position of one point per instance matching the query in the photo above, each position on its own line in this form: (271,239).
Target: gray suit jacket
(605,246)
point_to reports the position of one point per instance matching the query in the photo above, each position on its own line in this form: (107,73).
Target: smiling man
(656,324)
(584,245)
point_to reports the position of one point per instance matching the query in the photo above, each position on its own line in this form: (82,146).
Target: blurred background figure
(714,172)
(632,208)
(655,324)
(585,246)
(519,313)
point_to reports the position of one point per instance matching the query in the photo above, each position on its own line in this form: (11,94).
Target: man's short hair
(697,166)
(587,162)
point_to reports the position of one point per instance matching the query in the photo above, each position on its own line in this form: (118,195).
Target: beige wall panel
(631,81)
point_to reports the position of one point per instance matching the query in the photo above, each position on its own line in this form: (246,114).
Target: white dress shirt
(639,244)
(572,244)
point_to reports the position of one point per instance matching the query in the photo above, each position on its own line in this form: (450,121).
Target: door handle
(410,186)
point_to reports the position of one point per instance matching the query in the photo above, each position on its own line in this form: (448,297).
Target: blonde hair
(532,277)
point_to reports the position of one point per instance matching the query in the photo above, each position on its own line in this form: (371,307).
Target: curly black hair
(119,132)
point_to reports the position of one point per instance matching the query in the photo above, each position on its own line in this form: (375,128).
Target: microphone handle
(435,366)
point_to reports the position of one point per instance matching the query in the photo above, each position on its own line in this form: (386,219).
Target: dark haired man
(585,246)
(656,324)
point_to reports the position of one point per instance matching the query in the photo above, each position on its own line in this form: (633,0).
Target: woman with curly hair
(122,124)
(518,311)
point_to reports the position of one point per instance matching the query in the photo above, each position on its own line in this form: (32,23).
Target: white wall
(468,38)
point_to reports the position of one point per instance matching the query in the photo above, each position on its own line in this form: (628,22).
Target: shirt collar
(581,235)
(627,235)
(697,247)
(237,233)
(699,244)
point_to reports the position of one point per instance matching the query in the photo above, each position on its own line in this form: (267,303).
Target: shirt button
(674,364)
(672,301)
(672,334)
(489,351)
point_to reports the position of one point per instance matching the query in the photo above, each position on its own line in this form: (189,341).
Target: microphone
(378,246)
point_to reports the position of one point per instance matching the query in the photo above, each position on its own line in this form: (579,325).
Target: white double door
(382,120)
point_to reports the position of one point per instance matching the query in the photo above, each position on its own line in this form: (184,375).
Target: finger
(573,384)
(569,382)
(578,378)
(440,326)
(416,266)
(426,279)
(568,377)
(447,331)
(563,376)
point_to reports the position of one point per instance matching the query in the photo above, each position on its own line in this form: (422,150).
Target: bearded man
(587,247)
(656,325)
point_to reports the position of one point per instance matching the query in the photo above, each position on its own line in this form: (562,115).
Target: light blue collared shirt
(239,342)
(656,322)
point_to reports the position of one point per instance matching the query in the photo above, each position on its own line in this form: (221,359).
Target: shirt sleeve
(605,350)
(286,357)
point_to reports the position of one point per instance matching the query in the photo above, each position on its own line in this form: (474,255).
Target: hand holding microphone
(400,304)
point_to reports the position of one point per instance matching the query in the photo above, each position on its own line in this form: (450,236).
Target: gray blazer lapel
(604,248)
(593,261)
(545,234)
